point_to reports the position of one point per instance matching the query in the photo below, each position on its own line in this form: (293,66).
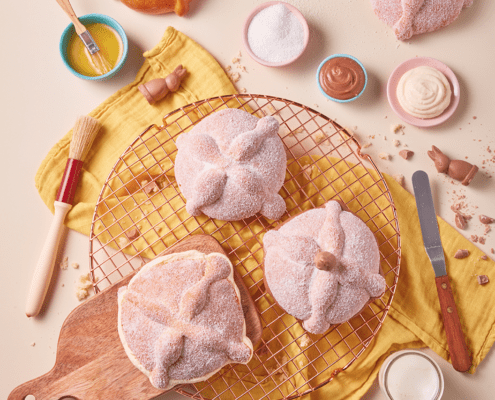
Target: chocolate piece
(457,169)
(157,89)
(151,188)
(460,221)
(486,220)
(483,279)
(132,233)
(406,154)
(461,253)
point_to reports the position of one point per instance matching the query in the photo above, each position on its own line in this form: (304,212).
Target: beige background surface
(40,101)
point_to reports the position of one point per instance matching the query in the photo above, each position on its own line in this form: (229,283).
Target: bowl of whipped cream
(423,92)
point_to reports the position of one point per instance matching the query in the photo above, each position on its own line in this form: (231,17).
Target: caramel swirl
(342,78)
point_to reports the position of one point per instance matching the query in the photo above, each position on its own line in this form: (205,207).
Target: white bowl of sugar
(275,34)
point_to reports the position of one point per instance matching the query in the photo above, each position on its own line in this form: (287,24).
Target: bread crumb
(399,178)
(241,67)
(297,131)
(396,143)
(366,145)
(64,264)
(84,283)
(123,242)
(384,156)
(308,171)
(75,265)
(305,341)
(243,90)
(396,128)
(228,68)
(236,60)
(33,344)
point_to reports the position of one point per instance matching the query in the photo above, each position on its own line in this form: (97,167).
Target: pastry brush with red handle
(83,134)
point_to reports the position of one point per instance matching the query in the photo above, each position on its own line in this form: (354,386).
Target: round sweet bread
(412,17)
(180,319)
(323,266)
(231,166)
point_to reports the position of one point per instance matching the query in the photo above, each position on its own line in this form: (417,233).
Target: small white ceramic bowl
(411,374)
(261,7)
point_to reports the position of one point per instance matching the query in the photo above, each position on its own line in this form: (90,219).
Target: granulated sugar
(276,35)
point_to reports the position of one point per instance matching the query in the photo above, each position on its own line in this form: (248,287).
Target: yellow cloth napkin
(414,319)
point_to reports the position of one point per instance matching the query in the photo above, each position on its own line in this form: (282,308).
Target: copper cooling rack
(140,212)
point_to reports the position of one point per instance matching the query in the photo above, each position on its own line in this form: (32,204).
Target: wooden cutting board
(91,362)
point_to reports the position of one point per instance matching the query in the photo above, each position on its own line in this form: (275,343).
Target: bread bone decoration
(180,319)
(412,17)
(322,266)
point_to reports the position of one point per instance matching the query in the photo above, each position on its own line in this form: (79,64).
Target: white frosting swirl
(424,92)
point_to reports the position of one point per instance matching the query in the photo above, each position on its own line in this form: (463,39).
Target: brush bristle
(83,134)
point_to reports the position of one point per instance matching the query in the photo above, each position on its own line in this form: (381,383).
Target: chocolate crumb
(482,240)
(486,220)
(406,154)
(474,238)
(460,221)
(132,233)
(492,250)
(484,257)
(483,279)
(461,253)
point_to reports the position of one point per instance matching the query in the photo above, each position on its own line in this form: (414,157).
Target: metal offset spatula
(459,353)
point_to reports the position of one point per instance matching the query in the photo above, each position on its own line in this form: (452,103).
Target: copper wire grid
(324,162)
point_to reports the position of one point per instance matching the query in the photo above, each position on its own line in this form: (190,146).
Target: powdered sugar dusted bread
(180,318)
(412,17)
(231,165)
(322,266)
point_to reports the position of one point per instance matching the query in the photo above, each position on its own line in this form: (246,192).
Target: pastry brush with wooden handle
(83,134)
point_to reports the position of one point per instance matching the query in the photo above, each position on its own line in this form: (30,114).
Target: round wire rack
(141,212)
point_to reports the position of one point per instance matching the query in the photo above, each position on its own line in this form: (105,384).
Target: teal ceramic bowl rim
(89,18)
(332,98)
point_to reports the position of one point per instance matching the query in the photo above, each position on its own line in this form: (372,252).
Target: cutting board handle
(42,388)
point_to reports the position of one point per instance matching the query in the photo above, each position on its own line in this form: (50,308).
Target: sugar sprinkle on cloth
(414,319)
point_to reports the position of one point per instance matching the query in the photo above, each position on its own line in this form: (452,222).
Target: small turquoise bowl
(88,19)
(332,98)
